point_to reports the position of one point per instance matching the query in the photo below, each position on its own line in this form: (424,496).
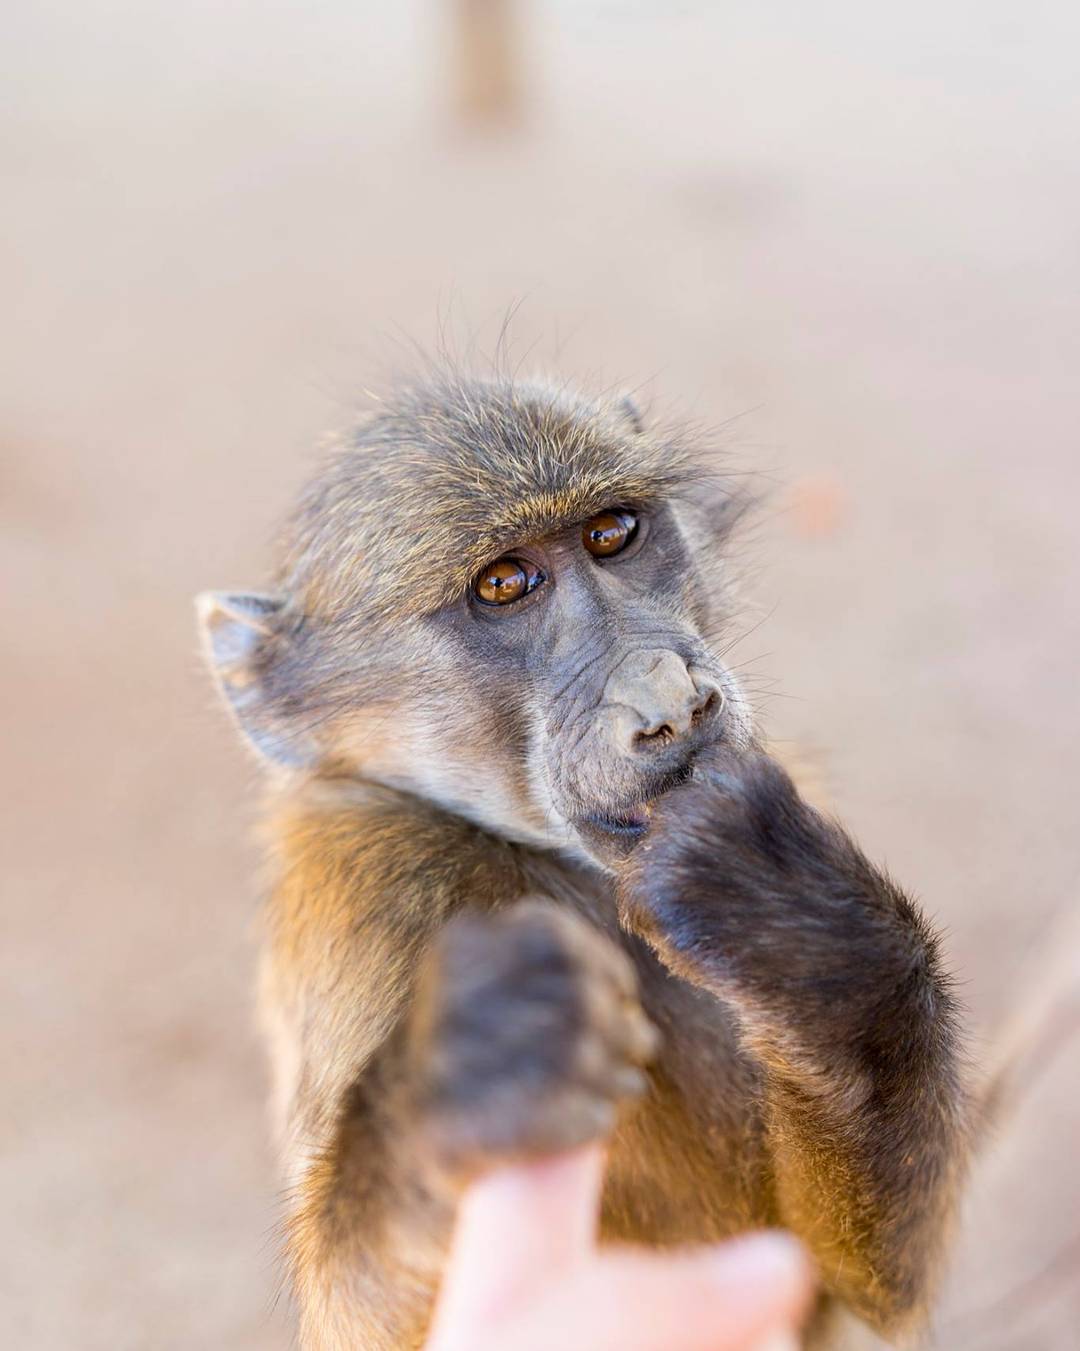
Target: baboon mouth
(633,823)
(629,827)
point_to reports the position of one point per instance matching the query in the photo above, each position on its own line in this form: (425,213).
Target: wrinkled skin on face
(600,678)
(561,717)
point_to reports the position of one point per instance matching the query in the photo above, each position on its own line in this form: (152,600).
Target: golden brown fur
(365,888)
(454,974)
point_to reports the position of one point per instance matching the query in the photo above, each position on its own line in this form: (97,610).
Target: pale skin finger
(524,1275)
(519,1229)
(747,1295)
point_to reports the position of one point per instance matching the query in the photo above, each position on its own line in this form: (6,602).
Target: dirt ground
(849,235)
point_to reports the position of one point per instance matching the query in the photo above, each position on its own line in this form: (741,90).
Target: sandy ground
(853,232)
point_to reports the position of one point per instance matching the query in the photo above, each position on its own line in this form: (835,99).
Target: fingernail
(759,1260)
(779,1341)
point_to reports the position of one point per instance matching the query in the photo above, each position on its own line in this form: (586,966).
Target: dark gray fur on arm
(838,986)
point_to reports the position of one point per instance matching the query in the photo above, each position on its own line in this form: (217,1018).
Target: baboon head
(502,597)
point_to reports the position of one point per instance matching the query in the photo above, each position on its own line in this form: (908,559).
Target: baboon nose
(660,700)
(693,714)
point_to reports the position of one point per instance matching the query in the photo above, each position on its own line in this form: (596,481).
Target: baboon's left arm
(837,984)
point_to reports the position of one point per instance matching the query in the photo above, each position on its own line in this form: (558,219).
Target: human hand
(525,1275)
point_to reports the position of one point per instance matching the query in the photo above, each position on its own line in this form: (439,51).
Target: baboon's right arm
(421,1044)
(349,925)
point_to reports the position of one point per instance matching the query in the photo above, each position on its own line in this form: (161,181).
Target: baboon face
(492,599)
(581,661)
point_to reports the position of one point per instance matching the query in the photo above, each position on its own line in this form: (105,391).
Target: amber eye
(506,580)
(609,533)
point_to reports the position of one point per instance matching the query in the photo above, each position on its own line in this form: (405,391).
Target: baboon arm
(839,993)
(363,889)
(867,1161)
(442,1022)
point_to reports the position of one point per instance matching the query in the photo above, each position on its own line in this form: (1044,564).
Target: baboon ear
(240,632)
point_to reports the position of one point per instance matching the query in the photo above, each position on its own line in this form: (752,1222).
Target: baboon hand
(741,885)
(527,1035)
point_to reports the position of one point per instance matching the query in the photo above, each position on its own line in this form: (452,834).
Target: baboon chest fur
(538,882)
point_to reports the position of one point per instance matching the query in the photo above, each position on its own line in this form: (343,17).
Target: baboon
(537,881)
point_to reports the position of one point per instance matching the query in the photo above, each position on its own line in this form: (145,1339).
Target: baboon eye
(609,532)
(506,580)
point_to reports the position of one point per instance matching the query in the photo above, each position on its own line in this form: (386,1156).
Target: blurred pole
(487,73)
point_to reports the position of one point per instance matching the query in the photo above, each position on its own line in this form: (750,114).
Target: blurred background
(849,233)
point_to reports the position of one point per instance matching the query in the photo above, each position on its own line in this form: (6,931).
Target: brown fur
(481,468)
(452,977)
(366,888)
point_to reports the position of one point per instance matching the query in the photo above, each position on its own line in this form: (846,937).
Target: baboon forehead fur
(450,474)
